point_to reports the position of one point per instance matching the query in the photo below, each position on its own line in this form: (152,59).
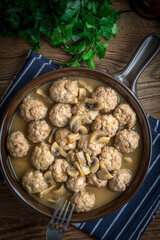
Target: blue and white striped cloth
(130,221)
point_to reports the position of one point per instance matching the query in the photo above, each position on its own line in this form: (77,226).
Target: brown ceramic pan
(124,83)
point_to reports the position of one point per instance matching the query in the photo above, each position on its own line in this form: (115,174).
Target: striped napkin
(131,220)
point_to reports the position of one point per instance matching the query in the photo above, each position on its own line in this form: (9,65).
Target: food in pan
(83,143)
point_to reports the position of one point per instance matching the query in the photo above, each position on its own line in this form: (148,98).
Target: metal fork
(56,230)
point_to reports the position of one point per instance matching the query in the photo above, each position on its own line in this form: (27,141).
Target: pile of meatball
(114,120)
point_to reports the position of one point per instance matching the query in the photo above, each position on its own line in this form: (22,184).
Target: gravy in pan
(21,165)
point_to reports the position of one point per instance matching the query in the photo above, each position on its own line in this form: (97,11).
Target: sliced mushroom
(82,162)
(72,172)
(74,121)
(102,165)
(49,139)
(93,104)
(104,174)
(57,150)
(44,95)
(48,177)
(95,136)
(75,101)
(46,191)
(81,94)
(61,190)
(85,85)
(77,166)
(88,158)
(128,159)
(103,140)
(74,137)
(54,200)
(80,129)
(94,165)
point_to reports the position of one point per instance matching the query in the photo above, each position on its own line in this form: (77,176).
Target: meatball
(125,115)
(33,181)
(42,158)
(107,96)
(60,114)
(93,149)
(32,109)
(84,201)
(38,131)
(64,91)
(59,170)
(17,144)
(86,114)
(120,180)
(107,124)
(111,158)
(92,179)
(61,138)
(76,184)
(126,141)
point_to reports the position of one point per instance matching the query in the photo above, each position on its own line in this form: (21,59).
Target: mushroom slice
(75,101)
(48,177)
(57,150)
(102,166)
(74,121)
(80,129)
(53,200)
(128,159)
(74,137)
(95,136)
(77,166)
(46,191)
(88,158)
(44,95)
(82,162)
(94,165)
(85,85)
(81,94)
(49,139)
(61,190)
(93,104)
(72,172)
(104,174)
(103,140)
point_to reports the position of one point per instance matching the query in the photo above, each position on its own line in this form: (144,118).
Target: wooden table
(18,222)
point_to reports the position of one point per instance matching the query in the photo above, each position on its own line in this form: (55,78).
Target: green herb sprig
(79,27)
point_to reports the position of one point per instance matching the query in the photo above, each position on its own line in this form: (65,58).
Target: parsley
(79,27)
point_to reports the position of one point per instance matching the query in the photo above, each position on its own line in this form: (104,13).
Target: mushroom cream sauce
(22,165)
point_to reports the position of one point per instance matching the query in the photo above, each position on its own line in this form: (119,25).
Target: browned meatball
(33,181)
(126,141)
(38,131)
(107,96)
(120,180)
(17,144)
(59,170)
(61,137)
(92,179)
(32,109)
(64,91)
(84,201)
(111,158)
(86,114)
(93,149)
(76,184)
(60,114)
(42,158)
(107,124)
(125,115)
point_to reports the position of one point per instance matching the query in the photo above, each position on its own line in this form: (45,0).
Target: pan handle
(146,51)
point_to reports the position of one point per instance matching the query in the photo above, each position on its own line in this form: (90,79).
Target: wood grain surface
(17,222)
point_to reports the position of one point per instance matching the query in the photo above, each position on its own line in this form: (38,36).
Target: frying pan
(123,82)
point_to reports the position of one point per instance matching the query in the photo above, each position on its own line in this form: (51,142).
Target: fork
(55,232)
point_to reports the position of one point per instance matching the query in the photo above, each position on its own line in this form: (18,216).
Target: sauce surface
(22,165)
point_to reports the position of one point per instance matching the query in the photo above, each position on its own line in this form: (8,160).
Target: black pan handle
(146,51)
